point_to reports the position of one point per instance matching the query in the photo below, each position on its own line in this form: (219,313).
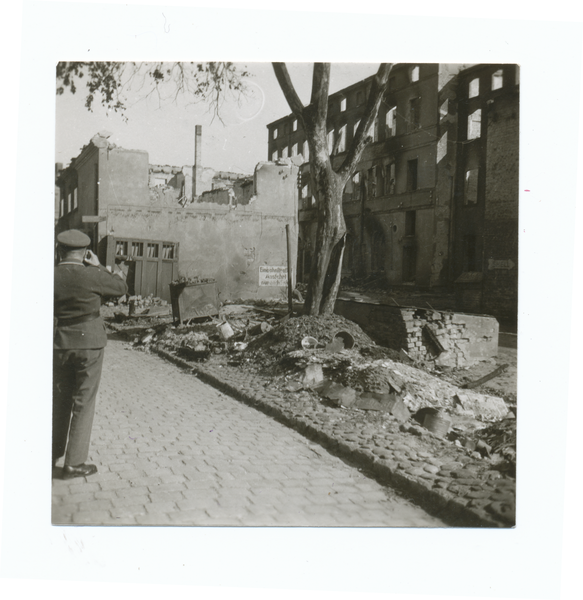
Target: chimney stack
(197,171)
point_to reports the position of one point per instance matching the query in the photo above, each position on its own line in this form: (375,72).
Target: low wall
(450,339)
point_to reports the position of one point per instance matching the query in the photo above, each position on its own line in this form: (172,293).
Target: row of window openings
(496,82)
(414,76)
(136,249)
(381,181)
(378,181)
(68,203)
(337,139)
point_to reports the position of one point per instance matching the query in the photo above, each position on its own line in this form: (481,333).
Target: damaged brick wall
(500,288)
(449,339)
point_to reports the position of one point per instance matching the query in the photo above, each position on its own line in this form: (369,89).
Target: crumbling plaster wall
(226,243)
(464,338)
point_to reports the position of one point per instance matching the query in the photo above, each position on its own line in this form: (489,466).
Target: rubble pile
(328,361)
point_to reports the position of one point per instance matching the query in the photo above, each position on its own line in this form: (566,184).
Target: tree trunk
(327,183)
(331,233)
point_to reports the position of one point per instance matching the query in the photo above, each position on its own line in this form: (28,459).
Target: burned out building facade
(148,218)
(433,204)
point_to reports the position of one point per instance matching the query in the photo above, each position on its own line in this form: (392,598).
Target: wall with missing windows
(500,287)
(222,241)
(145,218)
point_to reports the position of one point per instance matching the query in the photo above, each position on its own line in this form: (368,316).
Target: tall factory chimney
(197,171)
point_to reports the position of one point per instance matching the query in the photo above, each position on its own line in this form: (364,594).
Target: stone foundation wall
(448,338)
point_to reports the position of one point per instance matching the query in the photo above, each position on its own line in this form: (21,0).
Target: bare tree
(327,182)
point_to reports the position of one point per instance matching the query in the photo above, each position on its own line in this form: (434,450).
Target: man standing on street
(78,347)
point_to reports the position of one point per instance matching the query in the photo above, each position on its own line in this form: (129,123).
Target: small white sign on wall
(272,276)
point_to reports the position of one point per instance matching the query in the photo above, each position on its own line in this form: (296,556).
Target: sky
(166,129)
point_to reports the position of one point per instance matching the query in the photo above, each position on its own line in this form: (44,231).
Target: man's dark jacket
(79,289)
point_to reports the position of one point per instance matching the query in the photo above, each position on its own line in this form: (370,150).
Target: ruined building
(164,222)
(433,205)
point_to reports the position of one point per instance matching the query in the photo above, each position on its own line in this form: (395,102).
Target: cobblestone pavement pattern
(171,450)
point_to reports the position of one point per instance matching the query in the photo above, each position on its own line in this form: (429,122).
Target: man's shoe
(78,471)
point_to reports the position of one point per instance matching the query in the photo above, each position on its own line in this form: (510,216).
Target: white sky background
(165,129)
(541,558)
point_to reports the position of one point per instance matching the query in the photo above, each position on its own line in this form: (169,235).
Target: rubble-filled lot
(414,418)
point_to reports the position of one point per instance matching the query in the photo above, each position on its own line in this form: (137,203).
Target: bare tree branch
(320,90)
(378,87)
(287,87)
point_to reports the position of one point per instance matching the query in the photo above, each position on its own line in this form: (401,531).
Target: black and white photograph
(312,314)
(279,278)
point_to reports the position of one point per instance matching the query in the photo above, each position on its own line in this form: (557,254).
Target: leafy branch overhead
(111,82)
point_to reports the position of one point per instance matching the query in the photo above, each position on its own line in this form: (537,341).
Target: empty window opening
(474,88)
(497,79)
(371,183)
(62,212)
(379,173)
(121,248)
(168,251)
(343,105)
(295,125)
(415,74)
(342,139)
(409,266)
(390,179)
(444,109)
(274,156)
(69,202)
(414,112)
(274,134)
(391,122)
(475,124)
(356,186)
(355,128)
(152,250)
(294,151)
(410,218)
(377,258)
(470,253)
(374,130)
(284,152)
(74,198)
(306,151)
(137,248)
(412,175)
(471,187)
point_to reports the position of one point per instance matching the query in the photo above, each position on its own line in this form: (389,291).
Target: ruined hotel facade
(433,205)
(162,222)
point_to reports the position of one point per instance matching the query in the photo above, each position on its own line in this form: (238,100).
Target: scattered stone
(431,469)
(313,375)
(340,395)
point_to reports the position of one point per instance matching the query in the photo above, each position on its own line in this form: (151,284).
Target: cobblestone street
(172,450)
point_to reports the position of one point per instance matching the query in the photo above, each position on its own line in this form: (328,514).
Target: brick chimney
(197,169)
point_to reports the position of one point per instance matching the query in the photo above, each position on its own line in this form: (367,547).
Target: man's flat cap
(73,238)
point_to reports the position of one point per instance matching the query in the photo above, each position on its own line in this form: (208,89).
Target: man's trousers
(76,377)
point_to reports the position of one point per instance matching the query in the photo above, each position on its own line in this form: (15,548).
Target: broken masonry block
(400,411)
(339,394)
(431,337)
(313,375)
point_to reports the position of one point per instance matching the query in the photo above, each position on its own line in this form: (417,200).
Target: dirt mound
(270,348)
